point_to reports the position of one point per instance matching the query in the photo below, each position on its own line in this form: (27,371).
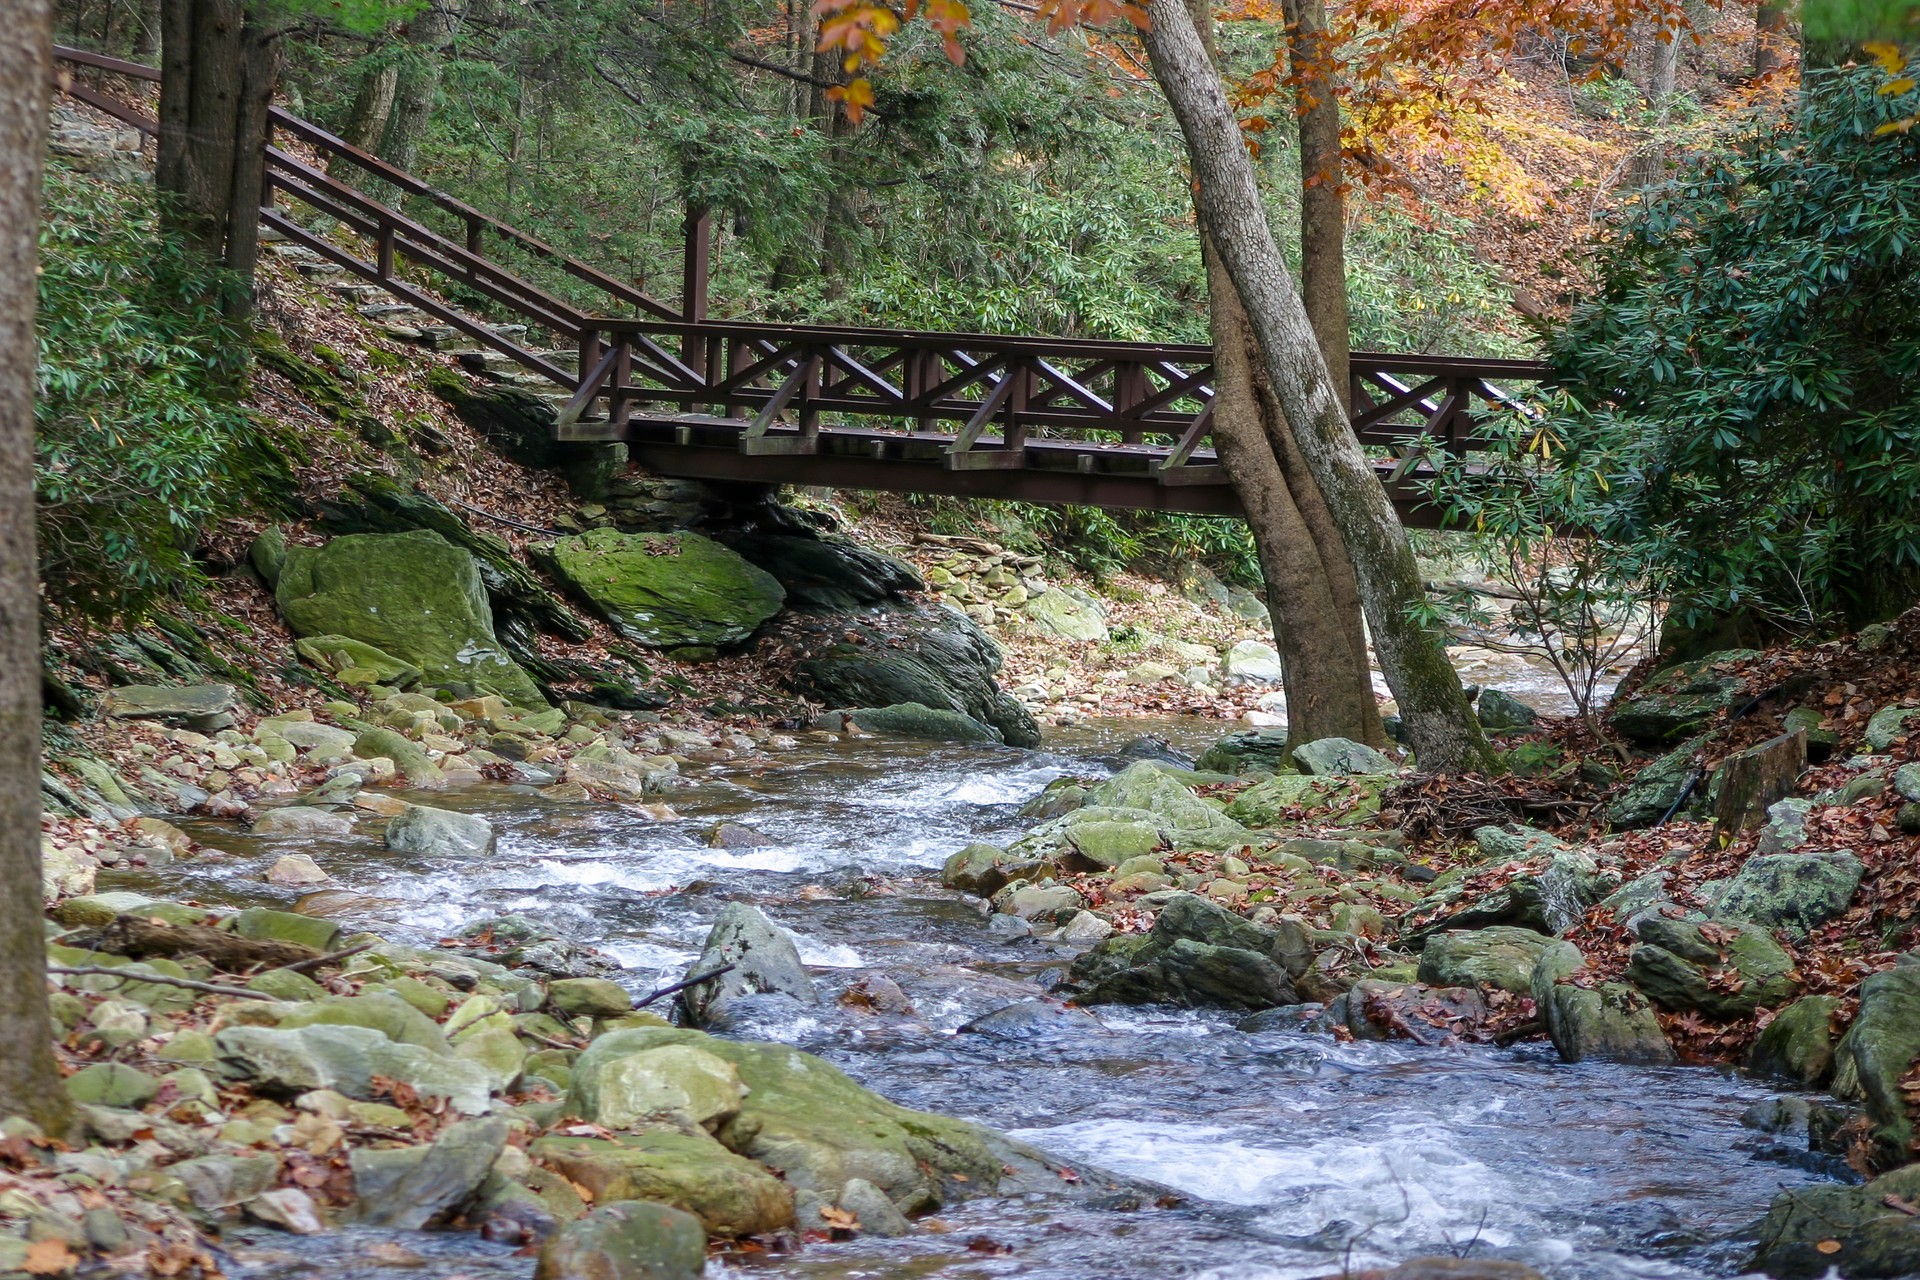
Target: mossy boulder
(1255,751)
(1825,1229)
(1798,1044)
(667,590)
(933,724)
(1501,956)
(1066,616)
(1681,699)
(414,596)
(1197,954)
(1657,788)
(1610,1021)
(1878,1051)
(804,1119)
(627,1240)
(1792,891)
(343,653)
(1723,969)
(1341,758)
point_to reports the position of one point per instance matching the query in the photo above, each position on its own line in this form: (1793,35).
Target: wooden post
(696,263)
(384,262)
(619,408)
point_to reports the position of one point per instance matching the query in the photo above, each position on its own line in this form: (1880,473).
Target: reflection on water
(1300,1154)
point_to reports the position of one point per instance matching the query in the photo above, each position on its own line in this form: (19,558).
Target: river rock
(632,1240)
(439,833)
(763,957)
(446,1175)
(287,1062)
(1723,969)
(1548,898)
(1889,724)
(1187,821)
(933,724)
(1036,1017)
(112,1084)
(824,572)
(339,654)
(1038,901)
(1249,662)
(1798,1044)
(296,869)
(877,1215)
(589,998)
(1681,699)
(1340,758)
(1795,892)
(1197,954)
(1611,1021)
(1879,1050)
(618,1091)
(1501,956)
(1657,788)
(1444,1268)
(1067,616)
(195,705)
(381,1011)
(298,820)
(682,1167)
(408,756)
(413,595)
(1255,751)
(220,1182)
(985,869)
(667,590)
(1374,1009)
(935,656)
(1826,1230)
(1502,711)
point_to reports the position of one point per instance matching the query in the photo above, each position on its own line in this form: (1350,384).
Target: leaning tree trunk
(1323,202)
(366,120)
(1328,688)
(1439,723)
(1310,593)
(29,1080)
(418,89)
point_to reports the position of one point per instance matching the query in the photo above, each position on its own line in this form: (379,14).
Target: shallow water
(1298,1155)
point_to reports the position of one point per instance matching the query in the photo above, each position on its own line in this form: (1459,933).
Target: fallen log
(140,939)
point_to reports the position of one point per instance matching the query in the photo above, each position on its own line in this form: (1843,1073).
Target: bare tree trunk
(29,1080)
(418,87)
(1439,723)
(1323,202)
(1770,38)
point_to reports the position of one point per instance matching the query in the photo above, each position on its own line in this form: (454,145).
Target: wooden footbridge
(1052,420)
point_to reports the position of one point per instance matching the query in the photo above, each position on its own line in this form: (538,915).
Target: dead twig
(102,971)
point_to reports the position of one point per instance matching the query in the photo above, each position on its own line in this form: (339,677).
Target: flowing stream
(1299,1155)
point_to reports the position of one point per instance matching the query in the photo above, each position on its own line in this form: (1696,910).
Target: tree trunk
(29,1080)
(1439,723)
(1323,202)
(1310,590)
(418,86)
(218,70)
(367,121)
(1328,688)
(1770,38)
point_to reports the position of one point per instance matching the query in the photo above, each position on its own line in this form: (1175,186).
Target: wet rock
(1878,1051)
(288,1208)
(295,820)
(877,1215)
(1501,711)
(937,657)
(1084,927)
(1341,758)
(409,757)
(1501,956)
(984,869)
(296,869)
(763,957)
(618,1090)
(831,574)
(1258,751)
(1034,1017)
(1798,1044)
(589,998)
(445,1176)
(1681,699)
(1721,969)
(809,1123)
(1038,901)
(634,1240)
(732,835)
(439,833)
(1611,1021)
(413,595)
(1197,954)
(1823,1230)
(1747,782)
(1447,1269)
(1795,892)
(933,724)
(1374,1009)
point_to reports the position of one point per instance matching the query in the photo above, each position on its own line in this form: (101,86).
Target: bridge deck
(1051,420)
